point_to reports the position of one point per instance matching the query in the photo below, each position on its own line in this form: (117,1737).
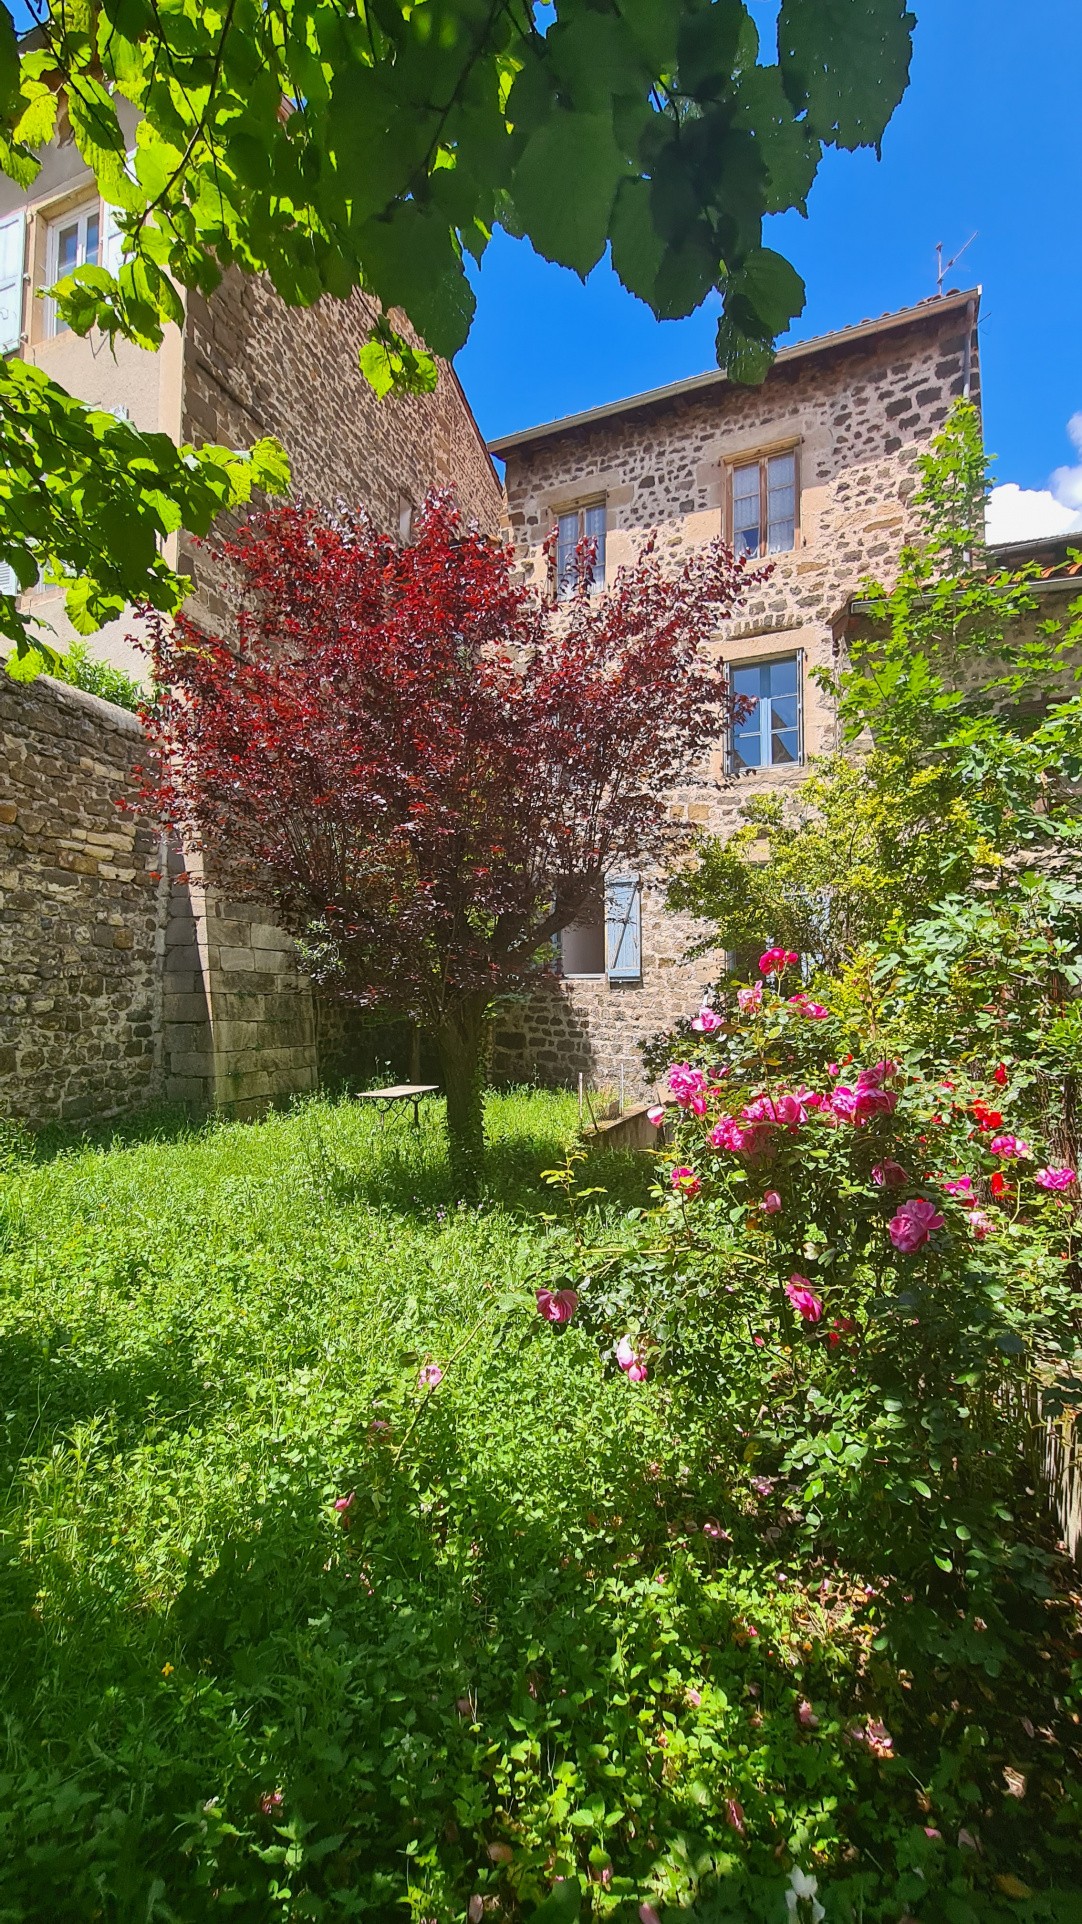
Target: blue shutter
(623,929)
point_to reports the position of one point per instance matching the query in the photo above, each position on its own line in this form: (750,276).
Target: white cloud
(1036,514)
(1028,514)
(1066,483)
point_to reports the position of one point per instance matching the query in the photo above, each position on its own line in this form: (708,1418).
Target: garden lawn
(287,1635)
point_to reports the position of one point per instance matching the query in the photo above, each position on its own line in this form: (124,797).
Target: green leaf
(707,46)
(671,279)
(391,366)
(762,298)
(412,260)
(847,62)
(564,187)
(562,1905)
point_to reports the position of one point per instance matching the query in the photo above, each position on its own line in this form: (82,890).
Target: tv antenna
(943,267)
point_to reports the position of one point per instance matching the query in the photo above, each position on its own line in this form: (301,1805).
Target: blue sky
(987,138)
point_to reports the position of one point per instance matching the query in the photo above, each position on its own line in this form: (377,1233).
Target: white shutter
(112,241)
(623,929)
(9,581)
(12,236)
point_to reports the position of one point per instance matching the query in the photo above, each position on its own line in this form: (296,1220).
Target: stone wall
(82,911)
(860,409)
(253,366)
(124,982)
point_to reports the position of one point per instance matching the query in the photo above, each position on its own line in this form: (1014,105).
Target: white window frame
(765,710)
(80,215)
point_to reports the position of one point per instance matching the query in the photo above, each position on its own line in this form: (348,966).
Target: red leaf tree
(428,768)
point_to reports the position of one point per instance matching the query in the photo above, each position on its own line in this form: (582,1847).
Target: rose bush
(856,1263)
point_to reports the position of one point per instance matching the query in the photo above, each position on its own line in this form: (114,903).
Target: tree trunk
(460,1040)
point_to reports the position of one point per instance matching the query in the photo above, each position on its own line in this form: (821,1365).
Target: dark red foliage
(427,767)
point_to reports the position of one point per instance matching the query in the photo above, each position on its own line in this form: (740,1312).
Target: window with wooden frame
(764,503)
(586,523)
(769,737)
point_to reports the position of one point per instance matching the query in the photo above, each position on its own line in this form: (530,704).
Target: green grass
(517,1657)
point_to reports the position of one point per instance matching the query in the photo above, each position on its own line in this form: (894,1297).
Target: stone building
(243,365)
(813,472)
(119,986)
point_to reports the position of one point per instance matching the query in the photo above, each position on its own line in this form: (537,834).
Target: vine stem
(423,1405)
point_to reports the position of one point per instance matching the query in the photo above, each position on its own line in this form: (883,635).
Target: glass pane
(781,471)
(593,527)
(781,502)
(780,676)
(746,483)
(748,681)
(67,249)
(566,543)
(748,744)
(93,230)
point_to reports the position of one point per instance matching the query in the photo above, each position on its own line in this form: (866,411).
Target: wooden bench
(386,1099)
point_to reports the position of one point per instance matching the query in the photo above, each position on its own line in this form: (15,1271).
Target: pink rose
(806,1716)
(706,1021)
(815,1011)
(344,1504)
(630,1361)
(776,961)
(910,1229)
(889,1174)
(803,1298)
(685,1181)
(771,1203)
(1055,1178)
(656,1114)
(429,1377)
(1009,1146)
(749,1000)
(981,1224)
(557,1306)
(961,1186)
(685,1083)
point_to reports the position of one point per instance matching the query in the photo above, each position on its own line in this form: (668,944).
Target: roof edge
(935,305)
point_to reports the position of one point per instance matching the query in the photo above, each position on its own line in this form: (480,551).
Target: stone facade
(253,366)
(857,408)
(82,911)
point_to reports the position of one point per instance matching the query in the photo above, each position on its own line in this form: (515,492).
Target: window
(405,519)
(770,735)
(9,580)
(607,938)
(577,525)
(73,241)
(765,504)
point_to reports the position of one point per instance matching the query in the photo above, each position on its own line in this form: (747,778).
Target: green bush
(80,669)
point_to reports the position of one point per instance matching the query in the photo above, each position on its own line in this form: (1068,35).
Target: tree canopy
(379,146)
(428,768)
